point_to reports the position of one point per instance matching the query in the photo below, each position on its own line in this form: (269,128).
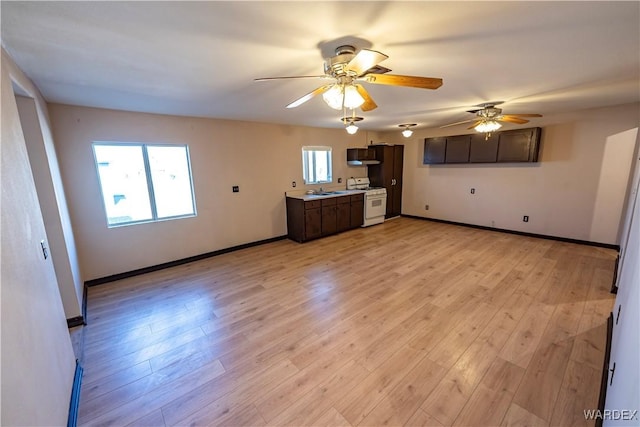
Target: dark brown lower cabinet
(357,210)
(312,223)
(307,220)
(329,216)
(343,211)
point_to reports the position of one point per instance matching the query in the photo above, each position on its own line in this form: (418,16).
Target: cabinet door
(343,212)
(483,149)
(394,200)
(457,149)
(357,210)
(434,150)
(329,220)
(312,223)
(519,145)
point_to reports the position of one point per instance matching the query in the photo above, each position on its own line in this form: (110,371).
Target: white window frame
(150,189)
(309,171)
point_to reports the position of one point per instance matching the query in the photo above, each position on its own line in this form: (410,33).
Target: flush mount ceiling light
(343,95)
(349,123)
(407,132)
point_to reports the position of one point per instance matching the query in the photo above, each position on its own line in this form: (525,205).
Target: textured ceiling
(200,58)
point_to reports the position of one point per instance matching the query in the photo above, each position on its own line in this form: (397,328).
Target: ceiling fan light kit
(487,126)
(342,95)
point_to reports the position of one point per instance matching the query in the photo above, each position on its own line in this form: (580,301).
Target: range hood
(361,157)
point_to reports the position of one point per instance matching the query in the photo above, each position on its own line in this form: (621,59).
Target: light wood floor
(406,323)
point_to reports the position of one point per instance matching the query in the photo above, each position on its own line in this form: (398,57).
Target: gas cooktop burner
(361,184)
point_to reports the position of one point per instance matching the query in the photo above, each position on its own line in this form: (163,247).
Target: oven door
(375,206)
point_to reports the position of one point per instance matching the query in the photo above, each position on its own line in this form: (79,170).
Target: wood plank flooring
(410,322)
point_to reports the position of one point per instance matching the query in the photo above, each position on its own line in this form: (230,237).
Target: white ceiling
(200,58)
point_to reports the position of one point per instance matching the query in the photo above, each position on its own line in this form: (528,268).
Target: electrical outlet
(339,180)
(426,207)
(236,189)
(525,218)
(293,184)
(473,191)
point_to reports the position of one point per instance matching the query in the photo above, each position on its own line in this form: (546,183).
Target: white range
(375,200)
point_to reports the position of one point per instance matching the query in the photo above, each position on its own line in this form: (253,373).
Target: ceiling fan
(489,117)
(347,69)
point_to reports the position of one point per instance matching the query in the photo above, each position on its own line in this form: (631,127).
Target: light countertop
(335,193)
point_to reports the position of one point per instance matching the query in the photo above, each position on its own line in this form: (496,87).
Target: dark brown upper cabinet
(434,150)
(511,146)
(457,150)
(483,149)
(361,156)
(519,145)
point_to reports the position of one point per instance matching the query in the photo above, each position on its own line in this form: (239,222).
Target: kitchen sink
(329,193)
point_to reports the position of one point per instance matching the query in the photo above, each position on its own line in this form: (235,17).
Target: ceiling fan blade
(262,79)
(409,81)
(511,119)
(475,124)
(305,98)
(364,60)
(369,104)
(457,123)
(525,115)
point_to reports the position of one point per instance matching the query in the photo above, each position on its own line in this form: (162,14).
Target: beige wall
(559,193)
(37,358)
(608,207)
(263,159)
(51,196)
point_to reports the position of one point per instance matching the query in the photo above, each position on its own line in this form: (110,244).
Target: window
(316,165)
(142,182)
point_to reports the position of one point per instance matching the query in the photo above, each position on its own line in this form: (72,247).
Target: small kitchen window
(144,182)
(316,165)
